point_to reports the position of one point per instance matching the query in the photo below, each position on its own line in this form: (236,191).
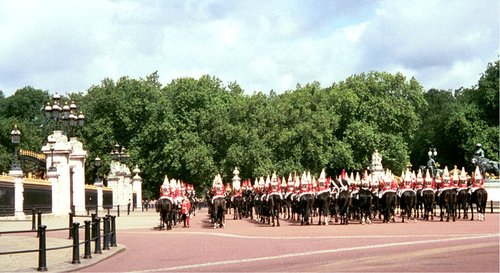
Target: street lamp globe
(15,135)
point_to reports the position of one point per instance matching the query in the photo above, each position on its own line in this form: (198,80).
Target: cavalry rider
(428,182)
(218,189)
(354,184)
(407,183)
(305,184)
(289,186)
(454,181)
(419,182)
(274,187)
(365,183)
(445,181)
(165,189)
(387,184)
(463,180)
(185,208)
(477,180)
(322,184)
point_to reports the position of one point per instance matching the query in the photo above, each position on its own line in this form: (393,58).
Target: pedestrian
(185,208)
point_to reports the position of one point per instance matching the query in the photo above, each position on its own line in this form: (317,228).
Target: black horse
(478,197)
(388,206)
(274,202)
(365,206)
(448,200)
(165,207)
(306,205)
(237,207)
(323,200)
(343,204)
(408,205)
(462,202)
(219,212)
(428,200)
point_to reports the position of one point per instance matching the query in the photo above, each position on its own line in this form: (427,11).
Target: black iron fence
(92,233)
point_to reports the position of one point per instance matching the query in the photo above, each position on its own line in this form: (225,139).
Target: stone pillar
(113,184)
(57,152)
(60,204)
(18,192)
(100,197)
(77,162)
(137,187)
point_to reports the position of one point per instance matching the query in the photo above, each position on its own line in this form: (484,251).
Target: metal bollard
(42,250)
(39,213)
(33,219)
(491,205)
(113,230)
(76,244)
(118,212)
(106,233)
(128,209)
(97,228)
(70,225)
(87,254)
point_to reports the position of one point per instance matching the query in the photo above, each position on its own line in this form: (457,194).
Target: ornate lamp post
(67,114)
(15,136)
(52,143)
(119,153)
(431,164)
(97,163)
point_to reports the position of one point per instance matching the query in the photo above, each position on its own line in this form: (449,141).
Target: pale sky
(68,46)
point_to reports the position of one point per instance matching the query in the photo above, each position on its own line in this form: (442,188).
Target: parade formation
(374,194)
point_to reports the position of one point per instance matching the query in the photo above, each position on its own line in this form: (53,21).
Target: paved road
(248,246)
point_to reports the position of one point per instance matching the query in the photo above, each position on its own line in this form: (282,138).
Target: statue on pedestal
(485,164)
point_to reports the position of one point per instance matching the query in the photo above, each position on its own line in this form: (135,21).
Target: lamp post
(97,164)
(15,136)
(67,115)
(52,143)
(119,153)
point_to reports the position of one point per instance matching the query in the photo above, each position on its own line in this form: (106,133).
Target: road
(248,246)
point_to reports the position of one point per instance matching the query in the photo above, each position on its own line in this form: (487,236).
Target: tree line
(192,129)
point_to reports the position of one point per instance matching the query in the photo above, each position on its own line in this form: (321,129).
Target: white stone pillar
(60,202)
(18,192)
(137,187)
(57,152)
(113,184)
(100,195)
(77,162)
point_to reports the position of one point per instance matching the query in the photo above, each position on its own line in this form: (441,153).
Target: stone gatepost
(18,192)
(77,162)
(99,195)
(137,186)
(57,152)
(57,208)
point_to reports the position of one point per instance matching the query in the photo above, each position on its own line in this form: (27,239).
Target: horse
(388,206)
(229,205)
(428,200)
(165,207)
(306,201)
(343,203)
(323,200)
(274,203)
(248,197)
(478,197)
(408,205)
(365,206)
(219,211)
(447,199)
(462,201)
(237,207)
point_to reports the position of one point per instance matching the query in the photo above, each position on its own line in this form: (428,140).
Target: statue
(485,164)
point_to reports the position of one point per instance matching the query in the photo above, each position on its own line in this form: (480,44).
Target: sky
(68,46)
